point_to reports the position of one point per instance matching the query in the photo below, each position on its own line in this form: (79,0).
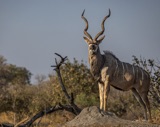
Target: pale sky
(31,31)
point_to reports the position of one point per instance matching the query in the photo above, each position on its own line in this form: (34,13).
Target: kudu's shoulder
(109,55)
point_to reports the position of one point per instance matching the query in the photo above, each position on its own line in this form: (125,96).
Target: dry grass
(7,117)
(52,120)
(59,118)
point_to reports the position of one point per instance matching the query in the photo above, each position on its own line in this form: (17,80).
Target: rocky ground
(91,117)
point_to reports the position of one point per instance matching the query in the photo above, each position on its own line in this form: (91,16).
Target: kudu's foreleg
(101,89)
(104,89)
(105,94)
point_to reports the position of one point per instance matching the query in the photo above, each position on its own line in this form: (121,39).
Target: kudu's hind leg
(147,104)
(139,99)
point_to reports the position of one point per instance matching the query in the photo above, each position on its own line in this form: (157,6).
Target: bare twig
(72,107)
(76,110)
(39,122)
(63,59)
(57,69)
(22,121)
(41,114)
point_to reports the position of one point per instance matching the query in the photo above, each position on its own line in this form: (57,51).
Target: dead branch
(22,121)
(76,109)
(72,107)
(39,115)
(57,69)
(35,117)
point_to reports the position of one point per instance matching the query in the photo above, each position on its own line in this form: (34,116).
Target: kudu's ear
(87,40)
(101,39)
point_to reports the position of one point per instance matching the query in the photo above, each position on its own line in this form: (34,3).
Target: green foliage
(30,99)
(78,80)
(26,100)
(77,76)
(11,74)
(84,100)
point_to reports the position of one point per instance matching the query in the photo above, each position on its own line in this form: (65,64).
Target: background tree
(77,79)
(13,80)
(11,74)
(25,100)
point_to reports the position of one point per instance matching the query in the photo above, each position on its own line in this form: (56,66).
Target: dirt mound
(91,117)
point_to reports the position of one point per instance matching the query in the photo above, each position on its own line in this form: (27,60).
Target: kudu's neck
(96,62)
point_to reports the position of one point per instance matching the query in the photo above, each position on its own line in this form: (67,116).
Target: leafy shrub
(26,100)
(11,74)
(78,80)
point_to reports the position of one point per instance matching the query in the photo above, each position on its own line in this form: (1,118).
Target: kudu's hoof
(103,113)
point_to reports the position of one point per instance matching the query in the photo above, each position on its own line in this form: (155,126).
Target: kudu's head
(93,44)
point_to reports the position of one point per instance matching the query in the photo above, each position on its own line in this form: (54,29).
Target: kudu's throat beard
(92,53)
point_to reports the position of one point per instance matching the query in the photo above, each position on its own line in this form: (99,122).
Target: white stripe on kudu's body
(116,67)
(123,70)
(108,70)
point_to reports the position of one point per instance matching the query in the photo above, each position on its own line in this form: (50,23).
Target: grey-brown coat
(108,70)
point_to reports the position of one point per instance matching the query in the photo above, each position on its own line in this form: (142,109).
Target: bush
(78,80)
(26,100)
